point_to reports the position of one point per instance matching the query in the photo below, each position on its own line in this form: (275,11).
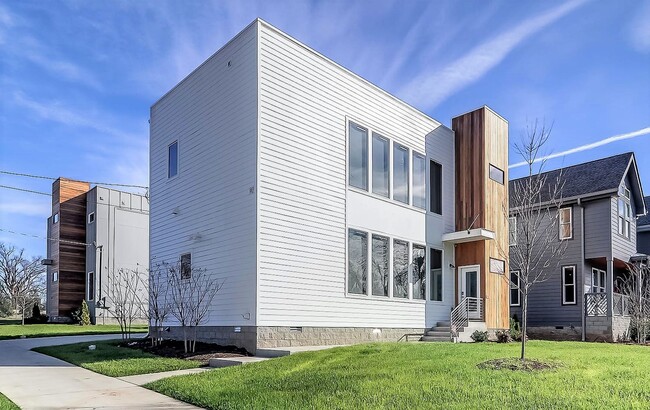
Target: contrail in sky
(629,135)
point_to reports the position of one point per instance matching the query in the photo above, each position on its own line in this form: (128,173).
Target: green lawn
(115,361)
(15,331)
(426,375)
(6,404)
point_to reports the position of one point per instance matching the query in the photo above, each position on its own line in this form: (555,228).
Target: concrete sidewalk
(35,381)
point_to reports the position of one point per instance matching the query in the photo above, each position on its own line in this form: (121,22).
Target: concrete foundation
(555,332)
(607,328)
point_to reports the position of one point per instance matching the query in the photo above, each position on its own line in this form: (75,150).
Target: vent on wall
(295,329)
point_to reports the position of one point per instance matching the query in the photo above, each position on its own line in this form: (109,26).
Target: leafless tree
(635,286)
(160,305)
(534,204)
(21,279)
(126,298)
(192,291)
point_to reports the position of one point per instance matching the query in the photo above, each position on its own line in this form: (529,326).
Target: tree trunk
(524,325)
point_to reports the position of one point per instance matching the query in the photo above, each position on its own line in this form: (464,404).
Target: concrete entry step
(286,351)
(438,333)
(235,361)
(435,339)
(444,323)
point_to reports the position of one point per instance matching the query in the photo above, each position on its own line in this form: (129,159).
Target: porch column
(610,287)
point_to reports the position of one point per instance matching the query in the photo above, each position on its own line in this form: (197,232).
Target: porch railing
(596,304)
(468,309)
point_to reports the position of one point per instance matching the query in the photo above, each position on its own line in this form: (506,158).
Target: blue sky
(77,78)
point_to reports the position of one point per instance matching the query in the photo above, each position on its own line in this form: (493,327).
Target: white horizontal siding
(213,115)
(305,101)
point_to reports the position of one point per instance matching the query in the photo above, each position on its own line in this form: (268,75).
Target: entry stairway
(441,332)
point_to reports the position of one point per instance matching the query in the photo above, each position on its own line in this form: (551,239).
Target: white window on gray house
(436,275)
(624,212)
(598,280)
(55,276)
(380,265)
(358,156)
(357,262)
(419,181)
(186,266)
(419,262)
(515,294)
(172,159)
(568,285)
(435,185)
(496,174)
(400,269)
(566,223)
(380,165)
(91,217)
(90,287)
(400,173)
(512,227)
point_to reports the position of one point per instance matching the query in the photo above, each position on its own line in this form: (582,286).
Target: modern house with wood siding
(94,232)
(598,220)
(332,211)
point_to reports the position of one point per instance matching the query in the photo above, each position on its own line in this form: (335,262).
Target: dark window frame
(435,201)
(169,160)
(186,266)
(494,167)
(513,287)
(574,285)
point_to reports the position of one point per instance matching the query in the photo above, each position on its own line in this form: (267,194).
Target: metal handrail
(462,313)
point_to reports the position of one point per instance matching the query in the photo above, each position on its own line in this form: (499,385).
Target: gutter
(582,269)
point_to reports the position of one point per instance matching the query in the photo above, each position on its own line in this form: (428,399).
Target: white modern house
(332,211)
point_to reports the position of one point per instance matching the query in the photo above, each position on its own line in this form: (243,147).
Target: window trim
(500,261)
(392,269)
(512,287)
(570,223)
(415,154)
(442,273)
(426,271)
(92,214)
(181,265)
(503,175)
(374,137)
(512,221)
(624,221)
(368,237)
(178,167)
(574,284)
(55,276)
(55,218)
(372,264)
(396,146)
(439,202)
(88,276)
(602,286)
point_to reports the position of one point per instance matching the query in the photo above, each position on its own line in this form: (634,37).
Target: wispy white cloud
(639,28)
(586,147)
(429,89)
(39,208)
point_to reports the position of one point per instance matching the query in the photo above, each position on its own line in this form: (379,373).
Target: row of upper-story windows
(391,170)
(565,224)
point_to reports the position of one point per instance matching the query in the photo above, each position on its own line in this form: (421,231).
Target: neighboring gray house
(643,232)
(601,201)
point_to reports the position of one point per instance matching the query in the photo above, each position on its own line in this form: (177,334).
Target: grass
(11,329)
(111,360)
(426,375)
(6,404)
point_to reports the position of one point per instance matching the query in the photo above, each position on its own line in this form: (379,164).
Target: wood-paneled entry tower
(66,276)
(481,144)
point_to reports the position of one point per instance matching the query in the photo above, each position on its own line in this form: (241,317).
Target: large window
(435,183)
(186,266)
(172,160)
(496,174)
(512,227)
(515,295)
(400,269)
(380,265)
(419,272)
(91,286)
(566,223)
(436,275)
(357,262)
(400,173)
(380,165)
(597,280)
(419,181)
(358,152)
(568,285)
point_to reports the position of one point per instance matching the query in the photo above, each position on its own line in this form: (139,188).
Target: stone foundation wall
(280,336)
(553,333)
(222,335)
(620,328)
(599,329)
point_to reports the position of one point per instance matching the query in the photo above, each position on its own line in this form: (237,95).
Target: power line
(46,238)
(25,190)
(19,174)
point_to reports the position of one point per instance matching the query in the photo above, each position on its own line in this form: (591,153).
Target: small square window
(497,266)
(55,218)
(91,217)
(496,174)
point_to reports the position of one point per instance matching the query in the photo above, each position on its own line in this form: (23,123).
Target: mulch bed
(511,363)
(174,348)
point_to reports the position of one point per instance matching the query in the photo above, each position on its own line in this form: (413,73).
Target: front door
(470,278)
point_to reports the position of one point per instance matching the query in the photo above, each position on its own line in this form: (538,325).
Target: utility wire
(43,237)
(18,174)
(25,190)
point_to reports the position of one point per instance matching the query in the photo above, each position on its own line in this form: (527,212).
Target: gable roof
(601,176)
(645,219)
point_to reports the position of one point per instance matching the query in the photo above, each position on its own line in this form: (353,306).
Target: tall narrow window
(512,227)
(514,288)
(436,275)
(435,184)
(624,215)
(400,173)
(358,156)
(568,285)
(419,181)
(380,265)
(419,272)
(380,165)
(357,262)
(400,269)
(55,218)
(598,280)
(55,276)
(566,223)
(172,160)
(186,266)
(91,286)
(91,217)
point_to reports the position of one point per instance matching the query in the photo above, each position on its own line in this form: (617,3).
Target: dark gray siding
(643,242)
(598,228)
